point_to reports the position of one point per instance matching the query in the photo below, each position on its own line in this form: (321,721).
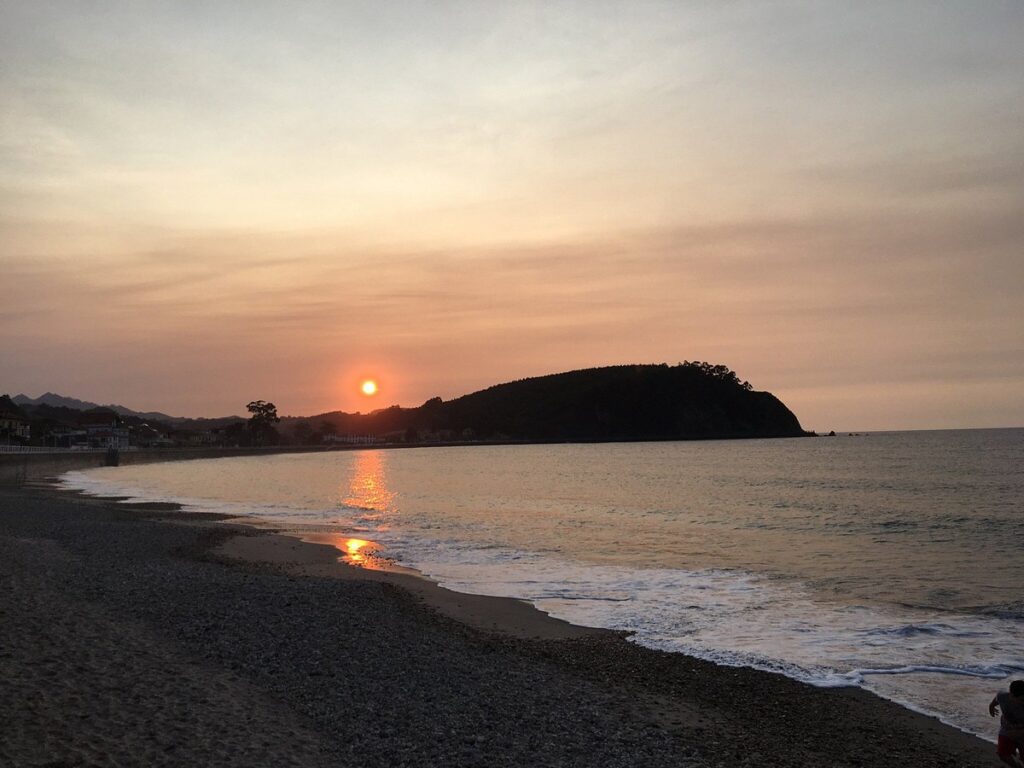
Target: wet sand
(142,635)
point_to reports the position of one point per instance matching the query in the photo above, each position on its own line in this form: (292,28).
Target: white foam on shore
(735,618)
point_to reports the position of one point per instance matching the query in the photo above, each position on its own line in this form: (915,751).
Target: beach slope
(144,635)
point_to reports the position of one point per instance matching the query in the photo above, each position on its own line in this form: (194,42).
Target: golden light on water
(353,549)
(362,553)
(367,491)
(367,488)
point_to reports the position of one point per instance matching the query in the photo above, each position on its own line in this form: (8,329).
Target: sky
(207,203)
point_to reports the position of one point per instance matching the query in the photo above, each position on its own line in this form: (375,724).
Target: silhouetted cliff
(690,401)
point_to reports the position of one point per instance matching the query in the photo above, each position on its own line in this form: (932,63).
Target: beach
(141,634)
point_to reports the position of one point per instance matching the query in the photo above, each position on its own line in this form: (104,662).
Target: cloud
(819,197)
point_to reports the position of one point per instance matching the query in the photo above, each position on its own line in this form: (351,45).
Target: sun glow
(369,387)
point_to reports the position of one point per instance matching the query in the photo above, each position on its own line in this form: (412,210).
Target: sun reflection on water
(359,552)
(367,488)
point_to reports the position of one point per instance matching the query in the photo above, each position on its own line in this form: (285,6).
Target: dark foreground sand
(144,636)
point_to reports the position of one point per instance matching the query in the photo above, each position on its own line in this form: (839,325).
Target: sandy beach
(143,635)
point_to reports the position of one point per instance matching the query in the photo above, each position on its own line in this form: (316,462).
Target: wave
(1013,611)
(987,671)
(915,630)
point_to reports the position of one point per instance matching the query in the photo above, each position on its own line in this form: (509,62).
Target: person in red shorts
(1011,722)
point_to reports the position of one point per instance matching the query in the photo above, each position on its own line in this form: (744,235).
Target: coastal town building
(65,436)
(15,428)
(103,429)
(148,436)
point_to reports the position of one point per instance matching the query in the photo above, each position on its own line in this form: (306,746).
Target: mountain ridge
(55,400)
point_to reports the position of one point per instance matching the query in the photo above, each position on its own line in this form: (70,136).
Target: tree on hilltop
(719,372)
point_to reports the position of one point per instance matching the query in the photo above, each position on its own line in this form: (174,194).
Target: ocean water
(890,561)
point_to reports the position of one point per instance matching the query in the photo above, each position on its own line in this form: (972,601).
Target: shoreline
(299,556)
(696,709)
(309,549)
(265,543)
(303,553)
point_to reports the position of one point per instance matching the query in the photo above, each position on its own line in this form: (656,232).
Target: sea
(891,561)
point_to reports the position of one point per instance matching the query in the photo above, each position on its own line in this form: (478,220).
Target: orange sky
(200,209)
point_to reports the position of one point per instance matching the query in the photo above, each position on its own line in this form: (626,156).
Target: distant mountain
(689,401)
(54,400)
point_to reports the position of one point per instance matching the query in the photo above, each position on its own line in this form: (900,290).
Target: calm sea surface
(891,561)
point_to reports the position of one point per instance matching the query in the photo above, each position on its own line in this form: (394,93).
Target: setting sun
(369,387)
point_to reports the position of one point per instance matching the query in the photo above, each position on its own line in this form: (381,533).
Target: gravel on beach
(125,641)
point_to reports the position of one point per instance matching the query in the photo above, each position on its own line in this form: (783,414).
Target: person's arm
(993,706)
